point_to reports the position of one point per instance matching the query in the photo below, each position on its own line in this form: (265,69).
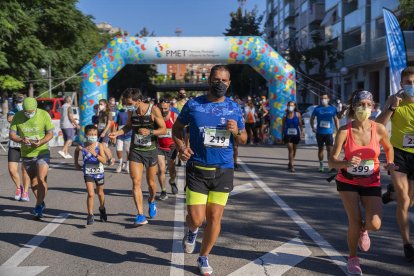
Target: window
(304,7)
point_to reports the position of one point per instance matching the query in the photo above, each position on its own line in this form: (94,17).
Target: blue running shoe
(38,212)
(43,206)
(152,209)
(203,266)
(140,220)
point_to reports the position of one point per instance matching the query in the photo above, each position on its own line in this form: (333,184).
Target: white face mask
(101,107)
(324,101)
(291,108)
(30,114)
(19,106)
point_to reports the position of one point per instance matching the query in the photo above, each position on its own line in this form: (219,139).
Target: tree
(245,80)
(407,14)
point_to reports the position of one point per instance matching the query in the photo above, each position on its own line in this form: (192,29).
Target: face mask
(409,90)
(362,113)
(218,89)
(19,106)
(291,108)
(29,114)
(130,108)
(92,139)
(101,107)
(324,102)
(165,113)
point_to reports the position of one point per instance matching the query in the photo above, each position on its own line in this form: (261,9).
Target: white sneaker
(119,168)
(62,153)
(68,156)
(126,168)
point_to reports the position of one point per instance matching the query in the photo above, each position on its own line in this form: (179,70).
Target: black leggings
(252,127)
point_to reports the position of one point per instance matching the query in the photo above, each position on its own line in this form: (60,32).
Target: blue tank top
(291,125)
(91,165)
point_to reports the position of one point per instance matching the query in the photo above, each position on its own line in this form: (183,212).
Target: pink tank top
(367,174)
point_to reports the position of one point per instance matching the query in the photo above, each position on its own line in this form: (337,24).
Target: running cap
(362,95)
(29,103)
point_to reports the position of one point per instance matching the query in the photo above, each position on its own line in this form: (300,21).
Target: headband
(362,95)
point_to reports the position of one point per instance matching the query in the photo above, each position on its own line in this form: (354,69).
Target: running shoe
(18,193)
(386,197)
(43,205)
(174,188)
(203,266)
(152,209)
(68,156)
(163,195)
(321,169)
(62,153)
(409,251)
(236,166)
(189,241)
(119,168)
(292,169)
(126,169)
(140,220)
(353,266)
(38,212)
(25,197)
(90,220)
(102,214)
(364,242)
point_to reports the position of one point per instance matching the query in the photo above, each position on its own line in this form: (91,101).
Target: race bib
(292,131)
(408,141)
(101,126)
(325,124)
(14,144)
(95,168)
(216,137)
(143,141)
(168,135)
(113,114)
(366,167)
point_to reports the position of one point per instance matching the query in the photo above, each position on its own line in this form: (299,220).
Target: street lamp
(47,74)
(343,71)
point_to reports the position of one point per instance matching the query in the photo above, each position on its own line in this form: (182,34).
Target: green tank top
(402,127)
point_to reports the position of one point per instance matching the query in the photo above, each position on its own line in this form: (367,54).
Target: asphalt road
(275,223)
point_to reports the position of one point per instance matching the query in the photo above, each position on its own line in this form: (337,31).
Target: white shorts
(123,145)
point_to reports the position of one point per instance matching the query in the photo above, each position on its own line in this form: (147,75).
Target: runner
(292,130)
(67,125)
(123,142)
(167,151)
(326,118)
(146,123)
(22,191)
(182,99)
(358,179)
(215,122)
(93,156)
(104,126)
(250,117)
(399,109)
(33,129)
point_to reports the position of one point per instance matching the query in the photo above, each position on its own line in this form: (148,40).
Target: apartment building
(356,27)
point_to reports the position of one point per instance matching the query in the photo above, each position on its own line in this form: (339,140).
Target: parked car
(51,105)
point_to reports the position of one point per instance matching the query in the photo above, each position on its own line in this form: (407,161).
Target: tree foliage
(407,14)
(244,79)
(34,34)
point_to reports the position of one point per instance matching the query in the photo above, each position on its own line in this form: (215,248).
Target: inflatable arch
(280,75)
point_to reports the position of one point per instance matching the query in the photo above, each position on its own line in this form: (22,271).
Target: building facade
(355,27)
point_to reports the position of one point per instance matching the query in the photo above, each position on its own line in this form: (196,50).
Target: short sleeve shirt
(203,115)
(33,128)
(325,119)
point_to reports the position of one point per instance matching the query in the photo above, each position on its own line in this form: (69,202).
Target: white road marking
(177,255)
(242,189)
(10,266)
(277,261)
(329,250)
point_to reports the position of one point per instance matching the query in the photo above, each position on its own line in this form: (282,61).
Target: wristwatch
(238,132)
(151,132)
(391,108)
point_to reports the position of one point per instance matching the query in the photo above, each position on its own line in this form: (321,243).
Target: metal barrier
(4,133)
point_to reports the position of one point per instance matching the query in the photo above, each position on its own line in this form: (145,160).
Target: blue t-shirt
(325,119)
(122,120)
(205,116)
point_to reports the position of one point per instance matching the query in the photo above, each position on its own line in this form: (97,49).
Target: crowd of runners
(204,133)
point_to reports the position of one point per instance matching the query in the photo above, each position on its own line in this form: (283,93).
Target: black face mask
(218,89)
(164,113)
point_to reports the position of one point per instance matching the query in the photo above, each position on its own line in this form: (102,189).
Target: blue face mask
(92,139)
(409,90)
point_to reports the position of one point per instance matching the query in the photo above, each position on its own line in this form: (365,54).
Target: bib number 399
(366,167)
(216,137)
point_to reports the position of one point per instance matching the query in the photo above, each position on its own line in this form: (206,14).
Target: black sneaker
(163,195)
(409,251)
(90,220)
(103,215)
(174,188)
(386,197)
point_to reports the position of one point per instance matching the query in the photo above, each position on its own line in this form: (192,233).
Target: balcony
(375,51)
(333,31)
(316,13)
(354,19)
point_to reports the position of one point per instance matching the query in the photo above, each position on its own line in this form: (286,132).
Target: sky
(193,17)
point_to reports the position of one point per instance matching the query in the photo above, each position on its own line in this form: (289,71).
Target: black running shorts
(148,158)
(362,191)
(405,162)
